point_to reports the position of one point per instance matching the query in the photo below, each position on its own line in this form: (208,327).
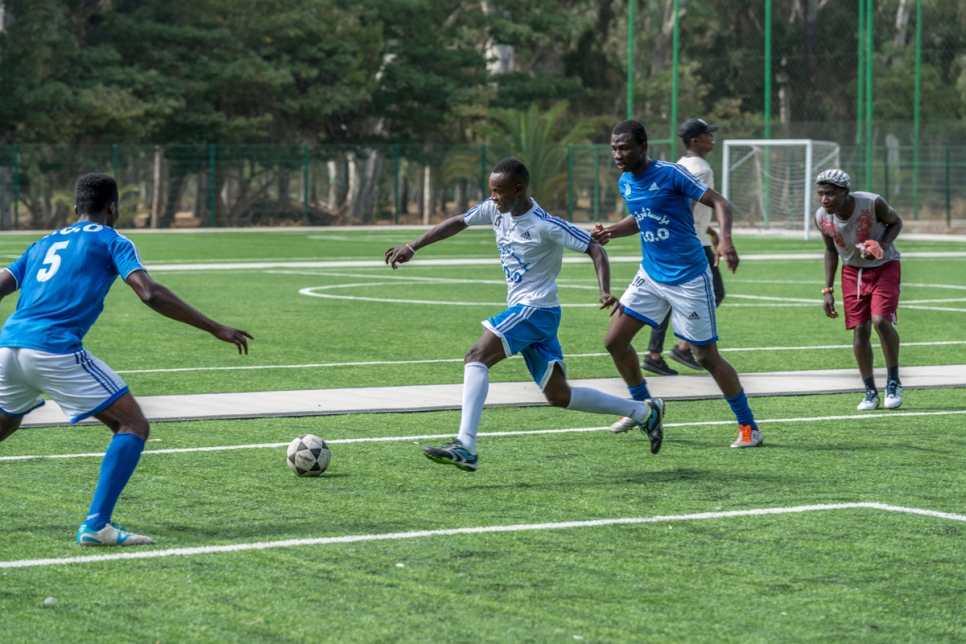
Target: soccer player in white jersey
(674,273)
(698,138)
(531,245)
(63,280)
(860,227)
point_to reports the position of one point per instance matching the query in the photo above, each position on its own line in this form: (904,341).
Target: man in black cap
(698,139)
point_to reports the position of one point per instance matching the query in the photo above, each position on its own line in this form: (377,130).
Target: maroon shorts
(870,291)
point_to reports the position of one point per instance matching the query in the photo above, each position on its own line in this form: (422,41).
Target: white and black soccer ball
(308,455)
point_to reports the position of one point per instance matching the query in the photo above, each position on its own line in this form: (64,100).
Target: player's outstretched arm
(404,253)
(722,212)
(624,228)
(164,301)
(601,264)
(8,283)
(831,264)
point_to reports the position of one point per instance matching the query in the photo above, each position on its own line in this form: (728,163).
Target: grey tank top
(860,227)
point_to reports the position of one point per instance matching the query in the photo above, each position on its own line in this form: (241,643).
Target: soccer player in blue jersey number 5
(674,275)
(531,244)
(63,280)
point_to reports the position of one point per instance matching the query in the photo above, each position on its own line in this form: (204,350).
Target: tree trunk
(156,197)
(172,197)
(427,195)
(6,198)
(902,29)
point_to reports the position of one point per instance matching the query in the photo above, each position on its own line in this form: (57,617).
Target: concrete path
(323,402)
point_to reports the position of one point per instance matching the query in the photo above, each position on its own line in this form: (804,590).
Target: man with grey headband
(860,227)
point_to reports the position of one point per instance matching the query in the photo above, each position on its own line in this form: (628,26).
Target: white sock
(476,384)
(597,402)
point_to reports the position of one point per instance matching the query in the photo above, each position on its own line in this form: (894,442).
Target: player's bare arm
(888,216)
(8,284)
(722,212)
(624,228)
(831,264)
(162,300)
(404,253)
(599,256)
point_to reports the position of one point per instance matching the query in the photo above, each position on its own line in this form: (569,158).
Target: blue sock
(121,458)
(739,405)
(640,392)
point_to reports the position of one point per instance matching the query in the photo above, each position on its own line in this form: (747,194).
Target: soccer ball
(308,455)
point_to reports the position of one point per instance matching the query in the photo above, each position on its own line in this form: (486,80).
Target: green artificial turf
(835,575)
(818,576)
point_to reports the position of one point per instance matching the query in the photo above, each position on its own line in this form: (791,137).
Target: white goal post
(771,182)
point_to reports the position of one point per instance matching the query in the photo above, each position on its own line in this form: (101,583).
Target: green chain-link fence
(206,186)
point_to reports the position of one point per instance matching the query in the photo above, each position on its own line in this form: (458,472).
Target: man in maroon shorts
(860,227)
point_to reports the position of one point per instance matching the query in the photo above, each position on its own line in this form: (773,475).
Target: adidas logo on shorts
(694,316)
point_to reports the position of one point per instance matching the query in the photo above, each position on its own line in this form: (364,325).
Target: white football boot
(110,535)
(871,401)
(893,395)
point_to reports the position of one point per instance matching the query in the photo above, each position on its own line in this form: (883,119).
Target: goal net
(771,183)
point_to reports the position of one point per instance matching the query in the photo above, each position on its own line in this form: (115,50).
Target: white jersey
(703,215)
(531,250)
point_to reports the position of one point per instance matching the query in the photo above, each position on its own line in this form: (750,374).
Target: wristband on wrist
(827,289)
(410,248)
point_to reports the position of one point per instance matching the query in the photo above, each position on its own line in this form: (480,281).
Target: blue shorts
(533,333)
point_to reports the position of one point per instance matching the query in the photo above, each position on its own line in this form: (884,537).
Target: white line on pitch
(491,529)
(569,430)
(371,363)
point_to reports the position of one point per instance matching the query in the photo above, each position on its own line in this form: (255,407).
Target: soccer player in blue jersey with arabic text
(63,280)
(674,275)
(531,244)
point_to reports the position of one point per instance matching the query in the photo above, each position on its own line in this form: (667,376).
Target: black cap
(694,127)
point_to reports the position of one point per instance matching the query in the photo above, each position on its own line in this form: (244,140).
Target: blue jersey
(660,201)
(63,280)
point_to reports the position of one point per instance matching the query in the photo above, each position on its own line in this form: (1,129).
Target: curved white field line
(534,432)
(523,527)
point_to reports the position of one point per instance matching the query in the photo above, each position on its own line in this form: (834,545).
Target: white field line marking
(311,291)
(569,430)
(521,527)
(371,363)
(481,261)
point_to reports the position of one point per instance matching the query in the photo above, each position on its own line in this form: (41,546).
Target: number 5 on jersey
(53,259)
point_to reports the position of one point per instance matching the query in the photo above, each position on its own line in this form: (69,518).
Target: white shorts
(80,383)
(691,305)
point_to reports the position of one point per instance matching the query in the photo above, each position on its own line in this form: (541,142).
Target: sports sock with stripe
(121,458)
(597,402)
(640,392)
(739,405)
(476,384)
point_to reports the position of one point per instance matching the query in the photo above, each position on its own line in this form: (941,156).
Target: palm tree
(536,138)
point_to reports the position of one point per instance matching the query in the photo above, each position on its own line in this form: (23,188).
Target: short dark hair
(634,128)
(94,192)
(513,167)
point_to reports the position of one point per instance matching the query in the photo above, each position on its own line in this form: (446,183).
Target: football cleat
(748,437)
(623,424)
(658,366)
(110,535)
(893,394)
(454,453)
(653,426)
(686,358)
(871,400)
